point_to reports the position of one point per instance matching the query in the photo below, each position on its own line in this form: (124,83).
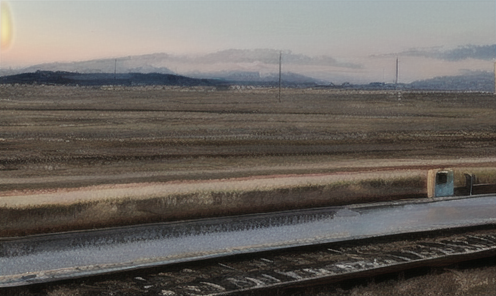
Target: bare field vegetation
(69,131)
(57,139)
(145,203)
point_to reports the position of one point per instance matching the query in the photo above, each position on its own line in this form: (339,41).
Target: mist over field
(468,67)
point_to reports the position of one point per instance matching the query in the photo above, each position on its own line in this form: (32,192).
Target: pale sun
(6,29)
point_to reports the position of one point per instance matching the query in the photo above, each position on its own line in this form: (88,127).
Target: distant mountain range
(233,59)
(209,66)
(137,64)
(234,66)
(99,79)
(469,51)
(471,81)
(270,57)
(246,77)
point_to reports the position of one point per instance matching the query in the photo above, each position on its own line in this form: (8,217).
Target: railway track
(262,273)
(327,263)
(276,241)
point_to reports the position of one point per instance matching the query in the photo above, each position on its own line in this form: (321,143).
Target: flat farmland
(69,131)
(315,147)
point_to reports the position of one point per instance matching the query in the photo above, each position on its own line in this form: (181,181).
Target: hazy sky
(48,31)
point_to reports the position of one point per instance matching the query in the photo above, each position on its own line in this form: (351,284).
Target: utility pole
(495,78)
(397,78)
(115,69)
(397,71)
(280,58)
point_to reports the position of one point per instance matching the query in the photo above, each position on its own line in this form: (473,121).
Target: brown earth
(55,137)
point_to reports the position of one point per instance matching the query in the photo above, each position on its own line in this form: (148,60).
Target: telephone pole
(280,58)
(495,78)
(397,70)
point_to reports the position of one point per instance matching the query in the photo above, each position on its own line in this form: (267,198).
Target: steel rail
(275,271)
(325,264)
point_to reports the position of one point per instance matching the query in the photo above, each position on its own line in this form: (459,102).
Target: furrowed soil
(57,140)
(58,143)
(70,137)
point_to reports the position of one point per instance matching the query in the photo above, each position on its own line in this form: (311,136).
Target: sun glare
(5,25)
